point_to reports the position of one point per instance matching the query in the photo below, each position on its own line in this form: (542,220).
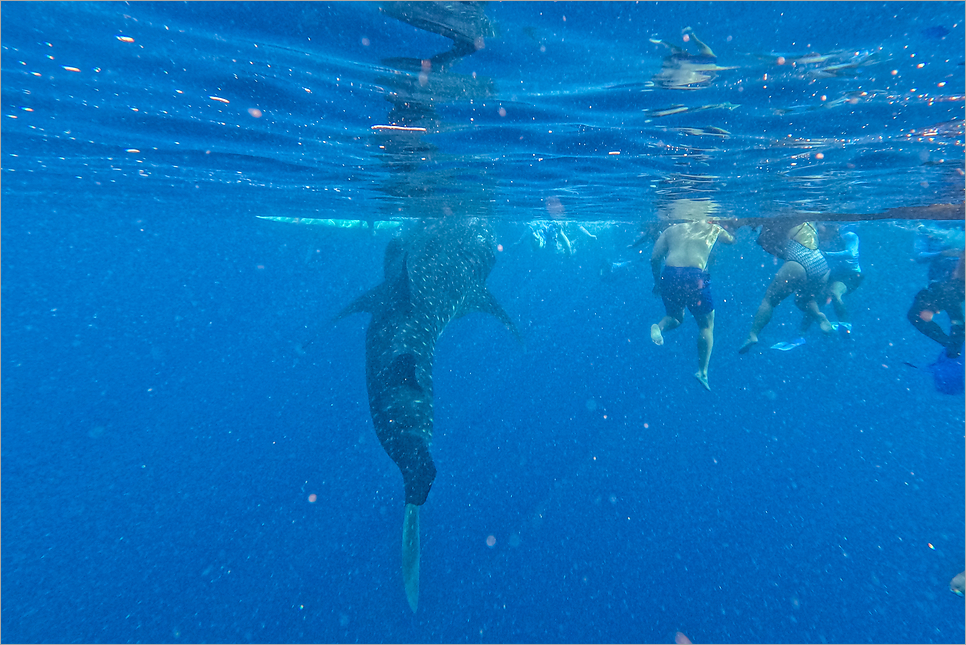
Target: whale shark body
(434,272)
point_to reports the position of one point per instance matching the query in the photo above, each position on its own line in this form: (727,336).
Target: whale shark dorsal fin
(395,251)
(399,289)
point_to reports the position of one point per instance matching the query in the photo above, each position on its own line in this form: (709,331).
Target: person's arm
(851,244)
(851,248)
(921,253)
(724,235)
(565,241)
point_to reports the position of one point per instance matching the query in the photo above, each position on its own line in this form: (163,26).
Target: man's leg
(669,322)
(705,345)
(924,308)
(837,290)
(790,278)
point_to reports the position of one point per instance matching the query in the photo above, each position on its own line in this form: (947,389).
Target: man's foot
(656,335)
(703,379)
(826,327)
(751,342)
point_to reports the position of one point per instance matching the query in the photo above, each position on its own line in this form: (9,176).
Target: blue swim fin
(789,345)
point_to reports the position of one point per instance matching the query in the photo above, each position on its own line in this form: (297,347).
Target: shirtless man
(684,250)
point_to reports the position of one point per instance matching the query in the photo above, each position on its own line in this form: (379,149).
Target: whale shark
(435,272)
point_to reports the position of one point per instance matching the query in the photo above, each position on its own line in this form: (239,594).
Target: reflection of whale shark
(682,70)
(433,274)
(464,23)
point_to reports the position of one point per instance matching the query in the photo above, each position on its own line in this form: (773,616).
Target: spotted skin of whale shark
(434,272)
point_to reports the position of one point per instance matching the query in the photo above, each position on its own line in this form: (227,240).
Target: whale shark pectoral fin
(486,303)
(410,555)
(394,293)
(366,303)
(494,308)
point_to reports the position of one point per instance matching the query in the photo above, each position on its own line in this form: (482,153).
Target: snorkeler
(939,247)
(845,274)
(942,295)
(684,249)
(804,273)
(942,249)
(552,235)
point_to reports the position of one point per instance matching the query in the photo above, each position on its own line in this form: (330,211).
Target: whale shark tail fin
(410,555)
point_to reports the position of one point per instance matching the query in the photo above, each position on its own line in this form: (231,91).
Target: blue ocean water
(175,392)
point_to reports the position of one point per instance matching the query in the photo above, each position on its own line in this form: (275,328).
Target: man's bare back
(689,244)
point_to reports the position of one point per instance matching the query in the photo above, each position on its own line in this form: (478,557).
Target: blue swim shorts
(686,287)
